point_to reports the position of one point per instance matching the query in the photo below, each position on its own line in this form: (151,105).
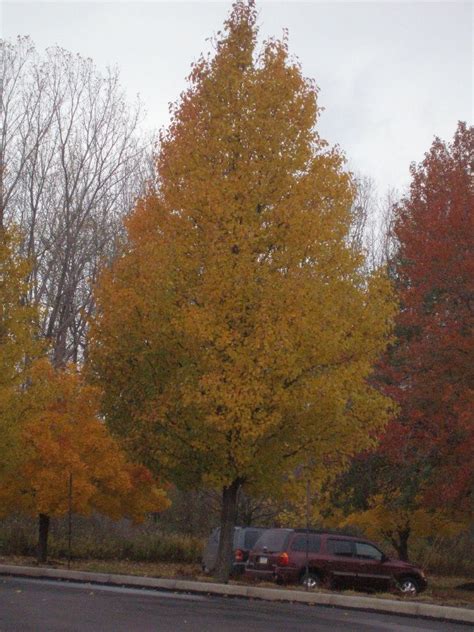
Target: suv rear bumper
(238,568)
(286,574)
(261,575)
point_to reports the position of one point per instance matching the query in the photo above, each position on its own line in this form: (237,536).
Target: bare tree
(23,122)
(72,162)
(362,210)
(387,239)
(380,242)
(372,222)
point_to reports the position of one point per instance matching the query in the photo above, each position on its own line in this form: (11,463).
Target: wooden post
(308,502)
(69,523)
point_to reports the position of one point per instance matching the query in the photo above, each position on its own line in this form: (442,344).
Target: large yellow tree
(234,335)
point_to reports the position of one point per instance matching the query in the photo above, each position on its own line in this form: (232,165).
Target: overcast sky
(392,75)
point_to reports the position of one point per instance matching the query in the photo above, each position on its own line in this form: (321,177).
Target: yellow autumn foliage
(18,343)
(235,334)
(385,518)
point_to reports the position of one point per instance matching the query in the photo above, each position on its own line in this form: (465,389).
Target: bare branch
(72,163)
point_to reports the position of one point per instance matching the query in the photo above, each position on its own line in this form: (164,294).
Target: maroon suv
(315,558)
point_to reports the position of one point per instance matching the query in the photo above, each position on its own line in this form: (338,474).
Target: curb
(407,608)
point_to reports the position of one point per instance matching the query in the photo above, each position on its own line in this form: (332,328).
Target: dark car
(327,559)
(244,540)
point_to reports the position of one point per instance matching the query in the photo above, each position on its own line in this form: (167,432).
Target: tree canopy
(429,372)
(420,479)
(234,335)
(68,458)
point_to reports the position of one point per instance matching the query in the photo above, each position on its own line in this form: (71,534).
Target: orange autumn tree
(234,335)
(63,441)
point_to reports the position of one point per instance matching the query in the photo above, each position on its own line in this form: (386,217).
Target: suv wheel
(311,581)
(408,586)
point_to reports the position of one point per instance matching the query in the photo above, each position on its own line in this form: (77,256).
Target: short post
(308,503)
(69,538)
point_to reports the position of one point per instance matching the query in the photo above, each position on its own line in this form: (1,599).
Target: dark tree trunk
(43,524)
(228,517)
(401,545)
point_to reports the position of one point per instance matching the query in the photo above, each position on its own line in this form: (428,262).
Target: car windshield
(273,540)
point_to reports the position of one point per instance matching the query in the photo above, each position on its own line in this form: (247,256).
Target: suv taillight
(238,556)
(283,559)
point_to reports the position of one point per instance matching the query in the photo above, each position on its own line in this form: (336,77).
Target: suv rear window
(250,537)
(340,547)
(310,543)
(273,539)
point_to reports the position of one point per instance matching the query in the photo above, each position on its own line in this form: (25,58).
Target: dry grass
(98,538)
(121,567)
(445,591)
(448,591)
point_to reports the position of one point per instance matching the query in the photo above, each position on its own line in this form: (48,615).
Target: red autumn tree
(430,371)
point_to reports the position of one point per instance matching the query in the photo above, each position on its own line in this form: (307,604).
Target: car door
(342,565)
(304,550)
(373,573)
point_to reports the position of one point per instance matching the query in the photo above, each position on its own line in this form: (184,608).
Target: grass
(100,539)
(121,567)
(441,590)
(448,591)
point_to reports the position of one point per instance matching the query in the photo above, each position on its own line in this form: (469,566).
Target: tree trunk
(43,524)
(228,517)
(402,544)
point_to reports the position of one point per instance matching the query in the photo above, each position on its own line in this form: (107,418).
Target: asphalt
(370,604)
(45,605)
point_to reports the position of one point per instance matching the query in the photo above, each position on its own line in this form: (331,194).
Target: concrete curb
(409,608)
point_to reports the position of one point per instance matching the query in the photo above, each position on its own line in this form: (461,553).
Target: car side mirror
(385,558)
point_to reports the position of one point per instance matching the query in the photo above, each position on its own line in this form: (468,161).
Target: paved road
(32,605)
